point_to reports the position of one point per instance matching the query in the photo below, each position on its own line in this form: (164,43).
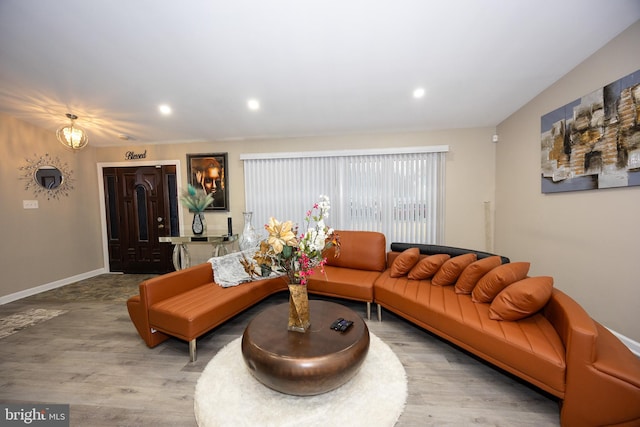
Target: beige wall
(59,239)
(63,238)
(586,240)
(469,171)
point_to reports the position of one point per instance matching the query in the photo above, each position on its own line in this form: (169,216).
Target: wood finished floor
(92,358)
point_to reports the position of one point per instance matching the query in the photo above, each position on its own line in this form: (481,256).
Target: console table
(181,257)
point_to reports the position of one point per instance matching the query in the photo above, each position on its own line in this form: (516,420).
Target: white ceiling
(317,67)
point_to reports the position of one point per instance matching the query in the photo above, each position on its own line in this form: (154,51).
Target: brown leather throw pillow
(428,266)
(451,270)
(404,262)
(497,279)
(521,299)
(474,272)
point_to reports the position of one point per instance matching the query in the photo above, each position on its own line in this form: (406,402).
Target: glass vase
(250,238)
(298,308)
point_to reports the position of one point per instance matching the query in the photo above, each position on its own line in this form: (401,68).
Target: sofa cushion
(196,311)
(497,279)
(521,299)
(428,266)
(452,268)
(405,262)
(474,272)
(360,250)
(341,282)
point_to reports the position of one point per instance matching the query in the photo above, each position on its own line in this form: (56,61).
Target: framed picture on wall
(208,172)
(592,142)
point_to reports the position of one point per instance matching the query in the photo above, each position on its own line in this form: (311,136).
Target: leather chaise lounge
(188,303)
(558,348)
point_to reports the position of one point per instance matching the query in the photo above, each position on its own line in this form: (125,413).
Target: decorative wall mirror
(48,176)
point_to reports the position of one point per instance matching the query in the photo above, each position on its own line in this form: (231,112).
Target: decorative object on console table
(250,238)
(197,201)
(286,253)
(199,224)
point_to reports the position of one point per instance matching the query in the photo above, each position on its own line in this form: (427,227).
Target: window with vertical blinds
(398,192)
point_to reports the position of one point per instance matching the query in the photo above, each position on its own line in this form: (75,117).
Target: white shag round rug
(228,395)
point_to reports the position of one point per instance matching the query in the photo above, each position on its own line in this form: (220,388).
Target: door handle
(161,226)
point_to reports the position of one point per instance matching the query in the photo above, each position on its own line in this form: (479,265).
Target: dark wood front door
(141,204)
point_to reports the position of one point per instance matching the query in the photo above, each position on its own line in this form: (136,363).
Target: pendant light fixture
(72,136)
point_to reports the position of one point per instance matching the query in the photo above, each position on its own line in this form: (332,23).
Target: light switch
(30,204)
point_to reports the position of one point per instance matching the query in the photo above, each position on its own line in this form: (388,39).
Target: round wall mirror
(49,177)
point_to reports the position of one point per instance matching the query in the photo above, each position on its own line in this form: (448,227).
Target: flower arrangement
(196,200)
(285,252)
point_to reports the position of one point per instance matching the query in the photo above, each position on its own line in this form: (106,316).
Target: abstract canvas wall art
(594,142)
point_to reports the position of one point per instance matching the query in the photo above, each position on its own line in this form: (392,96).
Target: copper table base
(304,364)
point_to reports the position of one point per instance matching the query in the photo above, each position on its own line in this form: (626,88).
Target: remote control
(336,325)
(345,325)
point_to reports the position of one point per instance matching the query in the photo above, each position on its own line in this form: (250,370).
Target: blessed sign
(130,155)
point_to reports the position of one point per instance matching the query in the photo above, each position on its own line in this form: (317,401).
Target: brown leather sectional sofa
(559,349)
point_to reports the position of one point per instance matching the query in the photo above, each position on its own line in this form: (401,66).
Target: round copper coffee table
(309,363)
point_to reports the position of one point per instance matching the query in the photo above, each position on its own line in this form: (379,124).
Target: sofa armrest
(160,288)
(574,326)
(140,317)
(171,284)
(603,376)
(606,392)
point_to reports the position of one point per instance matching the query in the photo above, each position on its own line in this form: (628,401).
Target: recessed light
(418,92)
(253,104)
(164,109)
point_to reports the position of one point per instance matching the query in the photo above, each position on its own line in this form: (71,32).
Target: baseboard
(634,346)
(48,286)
